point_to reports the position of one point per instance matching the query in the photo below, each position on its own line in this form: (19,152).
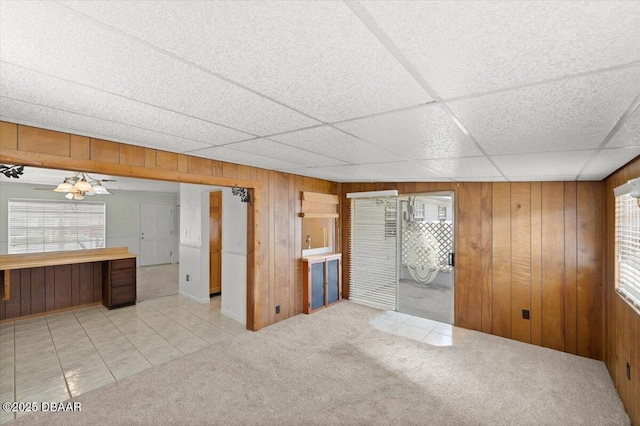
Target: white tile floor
(420,329)
(55,357)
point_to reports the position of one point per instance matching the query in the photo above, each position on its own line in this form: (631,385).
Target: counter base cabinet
(322,282)
(119,287)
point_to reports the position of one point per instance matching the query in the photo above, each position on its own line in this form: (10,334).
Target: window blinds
(373,253)
(42,226)
(628,248)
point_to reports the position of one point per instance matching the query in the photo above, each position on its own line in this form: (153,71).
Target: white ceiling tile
(317,57)
(629,134)
(333,143)
(462,168)
(592,177)
(271,149)
(223,153)
(420,133)
(49,118)
(355,173)
(570,114)
(318,173)
(25,85)
(463,47)
(486,179)
(610,160)
(545,178)
(403,170)
(565,163)
(69,46)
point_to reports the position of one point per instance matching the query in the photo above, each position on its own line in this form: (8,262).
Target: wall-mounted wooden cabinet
(322,280)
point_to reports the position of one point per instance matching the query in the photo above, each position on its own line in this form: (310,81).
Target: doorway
(156,224)
(426,256)
(215,243)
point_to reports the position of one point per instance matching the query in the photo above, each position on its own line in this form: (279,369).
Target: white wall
(122,210)
(194,248)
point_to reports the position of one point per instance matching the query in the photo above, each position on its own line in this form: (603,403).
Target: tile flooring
(421,329)
(55,357)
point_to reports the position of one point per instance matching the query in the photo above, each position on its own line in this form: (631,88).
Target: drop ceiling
(345,91)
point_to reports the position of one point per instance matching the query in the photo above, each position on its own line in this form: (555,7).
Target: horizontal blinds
(372,276)
(628,248)
(43,225)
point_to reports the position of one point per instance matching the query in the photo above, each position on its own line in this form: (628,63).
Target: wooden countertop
(321,256)
(52,258)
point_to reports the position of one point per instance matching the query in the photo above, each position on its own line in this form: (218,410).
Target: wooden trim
(320,215)
(13,156)
(57,311)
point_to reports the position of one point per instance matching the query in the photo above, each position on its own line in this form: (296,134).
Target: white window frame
(627,246)
(51,233)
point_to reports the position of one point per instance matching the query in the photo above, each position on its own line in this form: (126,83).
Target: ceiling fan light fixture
(100,190)
(83,186)
(69,196)
(64,187)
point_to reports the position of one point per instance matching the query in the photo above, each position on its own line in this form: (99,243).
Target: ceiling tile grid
(63,121)
(77,49)
(564,115)
(463,47)
(629,134)
(314,56)
(337,144)
(420,133)
(271,149)
(532,90)
(29,86)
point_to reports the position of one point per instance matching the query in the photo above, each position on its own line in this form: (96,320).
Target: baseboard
(233,316)
(195,299)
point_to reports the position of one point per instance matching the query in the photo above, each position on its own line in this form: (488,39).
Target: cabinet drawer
(123,264)
(123,294)
(123,277)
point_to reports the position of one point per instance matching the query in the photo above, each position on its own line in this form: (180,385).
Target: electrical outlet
(277,309)
(187,277)
(525,314)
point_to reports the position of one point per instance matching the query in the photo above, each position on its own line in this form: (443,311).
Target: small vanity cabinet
(119,287)
(322,281)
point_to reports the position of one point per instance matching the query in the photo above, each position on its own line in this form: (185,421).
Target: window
(627,247)
(41,226)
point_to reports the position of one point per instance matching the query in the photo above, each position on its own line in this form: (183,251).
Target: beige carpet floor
(334,368)
(157,281)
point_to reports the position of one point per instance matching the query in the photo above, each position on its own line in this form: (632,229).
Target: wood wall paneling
(167,160)
(80,147)
(62,278)
(230,170)
(75,284)
(553,319)
(38,291)
(106,151)
(501,254)
(536,263)
(520,260)
(150,158)
(8,135)
(33,139)
(469,252)
(281,240)
(570,269)
(487,259)
(50,288)
(25,292)
(200,166)
(132,155)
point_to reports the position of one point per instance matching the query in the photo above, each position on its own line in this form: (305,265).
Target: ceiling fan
(81,184)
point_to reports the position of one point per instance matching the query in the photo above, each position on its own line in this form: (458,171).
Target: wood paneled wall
(522,245)
(274,274)
(49,288)
(622,323)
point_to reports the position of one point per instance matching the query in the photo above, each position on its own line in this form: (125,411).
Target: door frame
(454,214)
(140,229)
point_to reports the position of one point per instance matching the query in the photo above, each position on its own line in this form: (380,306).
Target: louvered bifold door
(373,252)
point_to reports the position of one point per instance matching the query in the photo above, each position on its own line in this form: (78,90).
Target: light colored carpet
(334,368)
(157,281)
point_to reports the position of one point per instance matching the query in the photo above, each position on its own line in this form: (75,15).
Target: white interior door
(155,233)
